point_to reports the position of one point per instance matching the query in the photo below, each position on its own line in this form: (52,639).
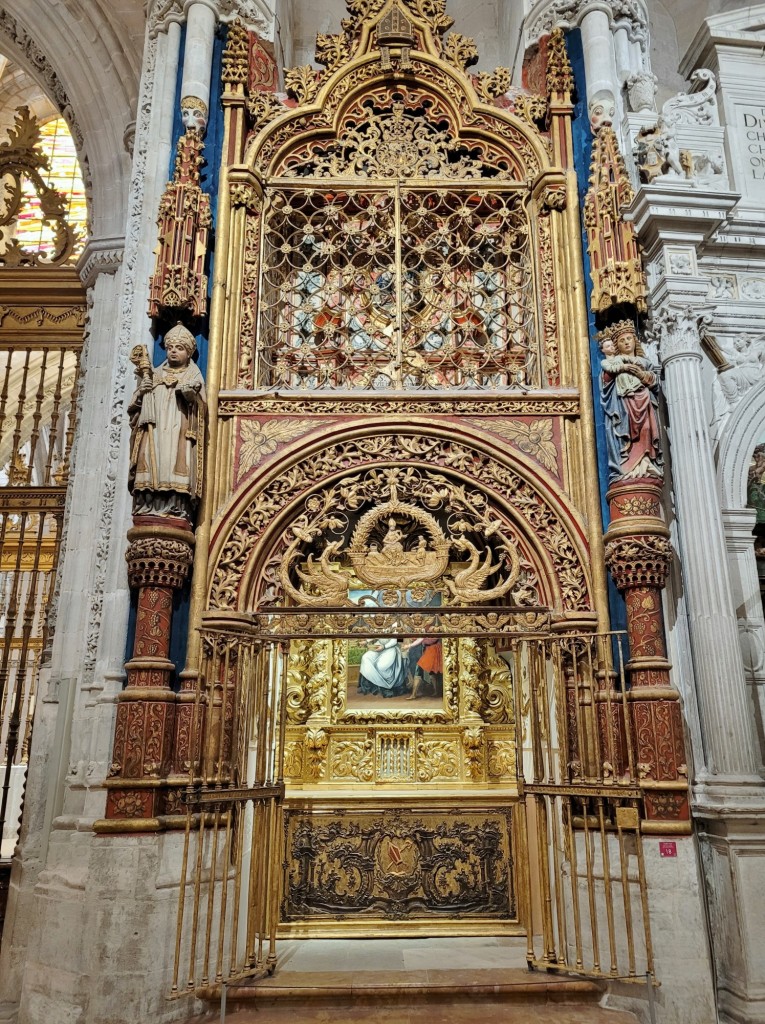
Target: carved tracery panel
(397,288)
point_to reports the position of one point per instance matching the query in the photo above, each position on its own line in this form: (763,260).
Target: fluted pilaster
(724,703)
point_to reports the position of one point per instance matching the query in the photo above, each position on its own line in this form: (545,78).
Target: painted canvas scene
(386,672)
(394,672)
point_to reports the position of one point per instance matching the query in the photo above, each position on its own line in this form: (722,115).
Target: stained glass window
(64,175)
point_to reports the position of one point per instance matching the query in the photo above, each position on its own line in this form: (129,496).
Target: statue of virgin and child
(629,390)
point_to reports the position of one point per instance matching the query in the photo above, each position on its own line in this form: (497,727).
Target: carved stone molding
(100,256)
(694,108)
(159,557)
(569,13)
(639,561)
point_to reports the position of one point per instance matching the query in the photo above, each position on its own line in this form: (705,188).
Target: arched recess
(88,61)
(254,530)
(745,428)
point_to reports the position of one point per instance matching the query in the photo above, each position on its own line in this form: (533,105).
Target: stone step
(435,980)
(510,996)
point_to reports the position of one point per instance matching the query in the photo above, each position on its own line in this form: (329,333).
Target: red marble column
(638,555)
(159,557)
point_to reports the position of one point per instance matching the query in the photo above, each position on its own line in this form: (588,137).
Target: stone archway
(744,430)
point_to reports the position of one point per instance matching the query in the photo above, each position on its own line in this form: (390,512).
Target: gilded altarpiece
(401,417)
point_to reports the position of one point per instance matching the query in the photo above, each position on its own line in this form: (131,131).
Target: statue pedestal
(159,559)
(638,555)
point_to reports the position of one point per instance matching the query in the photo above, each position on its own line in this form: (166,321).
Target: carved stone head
(181,340)
(602,110)
(194,113)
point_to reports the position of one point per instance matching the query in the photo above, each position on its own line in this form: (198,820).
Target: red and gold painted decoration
(179,283)
(159,559)
(638,555)
(637,548)
(615,266)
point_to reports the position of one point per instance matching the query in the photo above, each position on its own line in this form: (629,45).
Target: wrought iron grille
(38,377)
(397,288)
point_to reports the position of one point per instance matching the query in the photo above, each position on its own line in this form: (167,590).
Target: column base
(728,796)
(733,854)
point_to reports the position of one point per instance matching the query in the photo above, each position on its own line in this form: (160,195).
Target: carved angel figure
(167,416)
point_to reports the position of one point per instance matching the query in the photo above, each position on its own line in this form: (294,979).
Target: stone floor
(412,981)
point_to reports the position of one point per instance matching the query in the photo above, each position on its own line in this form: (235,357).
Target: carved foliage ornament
(399,545)
(394,132)
(530,506)
(22,161)
(404,25)
(639,561)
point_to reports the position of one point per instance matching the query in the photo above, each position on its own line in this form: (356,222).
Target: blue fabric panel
(582,137)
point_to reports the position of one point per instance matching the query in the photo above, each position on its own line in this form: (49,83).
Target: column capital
(549,14)
(678,330)
(255,14)
(638,561)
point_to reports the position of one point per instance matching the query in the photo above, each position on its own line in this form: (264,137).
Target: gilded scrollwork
(535,439)
(297,680)
(293,759)
(460,50)
(491,84)
(529,505)
(353,759)
(332,50)
(263,107)
(540,404)
(501,759)
(437,759)
(302,82)
(496,688)
(399,545)
(473,751)
(469,654)
(414,864)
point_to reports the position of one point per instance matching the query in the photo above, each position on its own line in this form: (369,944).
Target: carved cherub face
(607,347)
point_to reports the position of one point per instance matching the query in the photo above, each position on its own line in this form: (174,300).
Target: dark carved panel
(411,865)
